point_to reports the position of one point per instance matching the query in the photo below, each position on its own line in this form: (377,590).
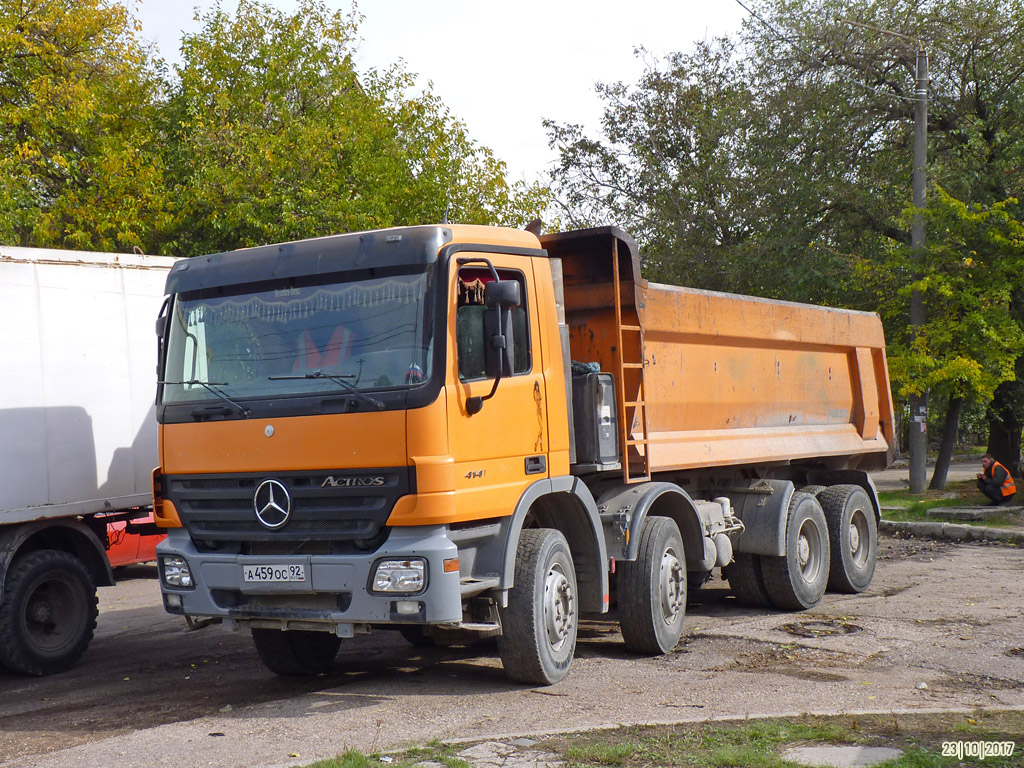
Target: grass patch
(749,744)
(760,744)
(904,506)
(959,494)
(434,752)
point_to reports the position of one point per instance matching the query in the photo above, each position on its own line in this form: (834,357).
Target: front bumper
(336,592)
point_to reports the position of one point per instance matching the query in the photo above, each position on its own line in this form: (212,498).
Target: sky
(502,67)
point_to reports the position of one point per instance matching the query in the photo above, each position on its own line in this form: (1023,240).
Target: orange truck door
(503,448)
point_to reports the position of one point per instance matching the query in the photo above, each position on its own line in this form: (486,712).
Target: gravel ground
(940,628)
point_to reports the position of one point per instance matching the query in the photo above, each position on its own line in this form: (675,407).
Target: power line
(814,58)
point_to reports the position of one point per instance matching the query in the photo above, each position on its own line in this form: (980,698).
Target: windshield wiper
(245,412)
(337,379)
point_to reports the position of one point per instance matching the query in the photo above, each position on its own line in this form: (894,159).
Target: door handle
(536,464)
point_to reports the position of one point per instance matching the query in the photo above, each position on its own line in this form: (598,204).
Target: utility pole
(919,403)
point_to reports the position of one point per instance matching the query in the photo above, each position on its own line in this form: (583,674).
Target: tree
(967,277)
(779,163)
(78,148)
(274,136)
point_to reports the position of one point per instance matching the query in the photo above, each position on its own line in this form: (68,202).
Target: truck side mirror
(502,293)
(161,329)
(500,296)
(499,343)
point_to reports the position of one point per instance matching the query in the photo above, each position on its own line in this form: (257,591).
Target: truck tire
(296,651)
(652,589)
(797,580)
(538,628)
(814,490)
(416,635)
(450,637)
(852,535)
(747,581)
(48,613)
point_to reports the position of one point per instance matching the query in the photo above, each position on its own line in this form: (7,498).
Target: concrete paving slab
(970,513)
(498,754)
(841,757)
(952,532)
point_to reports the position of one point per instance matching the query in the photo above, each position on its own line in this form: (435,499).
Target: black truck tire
(416,634)
(296,651)
(797,580)
(747,581)
(814,490)
(853,537)
(539,625)
(48,613)
(652,589)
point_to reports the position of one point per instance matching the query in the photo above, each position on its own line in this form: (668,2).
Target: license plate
(273,574)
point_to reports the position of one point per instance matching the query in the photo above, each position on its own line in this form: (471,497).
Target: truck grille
(341,505)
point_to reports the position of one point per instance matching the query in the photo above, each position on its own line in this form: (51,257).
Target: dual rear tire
(831,543)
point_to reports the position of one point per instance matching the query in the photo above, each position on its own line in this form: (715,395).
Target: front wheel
(416,634)
(538,628)
(652,589)
(48,613)
(295,651)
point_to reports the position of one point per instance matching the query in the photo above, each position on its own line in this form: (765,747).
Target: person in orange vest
(995,481)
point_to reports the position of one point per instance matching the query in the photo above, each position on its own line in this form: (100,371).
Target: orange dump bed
(733,379)
(713,379)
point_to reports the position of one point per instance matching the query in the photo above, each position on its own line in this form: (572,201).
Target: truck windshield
(367,334)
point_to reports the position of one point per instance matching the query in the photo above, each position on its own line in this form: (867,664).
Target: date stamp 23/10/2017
(979,750)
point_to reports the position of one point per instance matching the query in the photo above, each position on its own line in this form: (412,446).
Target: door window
(475,323)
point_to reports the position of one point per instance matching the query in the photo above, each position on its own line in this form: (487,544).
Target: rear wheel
(539,625)
(853,537)
(295,651)
(797,580)
(747,580)
(48,613)
(814,490)
(652,589)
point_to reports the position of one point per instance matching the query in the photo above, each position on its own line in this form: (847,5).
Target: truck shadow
(144,670)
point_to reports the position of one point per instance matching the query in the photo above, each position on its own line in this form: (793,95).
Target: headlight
(402,576)
(176,572)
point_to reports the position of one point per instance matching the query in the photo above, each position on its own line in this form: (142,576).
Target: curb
(714,718)
(952,531)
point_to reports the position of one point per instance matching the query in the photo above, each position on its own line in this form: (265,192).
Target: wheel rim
(808,548)
(859,538)
(673,586)
(52,615)
(559,607)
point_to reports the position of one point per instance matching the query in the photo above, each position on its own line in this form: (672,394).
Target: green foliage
(78,151)
(778,163)
(275,137)
(967,274)
(265,133)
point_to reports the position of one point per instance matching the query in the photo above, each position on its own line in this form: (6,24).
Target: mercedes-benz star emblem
(273,503)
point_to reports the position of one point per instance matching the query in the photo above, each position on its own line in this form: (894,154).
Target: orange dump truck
(459,429)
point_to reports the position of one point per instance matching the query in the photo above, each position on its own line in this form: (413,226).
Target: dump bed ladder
(630,363)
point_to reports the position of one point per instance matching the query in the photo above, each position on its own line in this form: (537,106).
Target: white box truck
(77,441)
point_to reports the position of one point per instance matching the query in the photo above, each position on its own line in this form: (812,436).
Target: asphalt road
(898,478)
(941,627)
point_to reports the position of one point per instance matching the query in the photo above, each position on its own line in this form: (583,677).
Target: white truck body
(77,381)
